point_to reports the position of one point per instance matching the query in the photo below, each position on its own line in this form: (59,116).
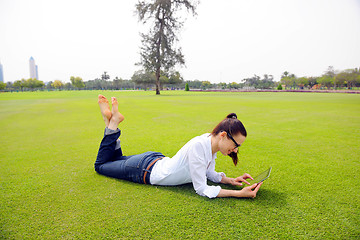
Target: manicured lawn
(49,189)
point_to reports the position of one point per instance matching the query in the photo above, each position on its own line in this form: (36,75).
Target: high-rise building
(33,69)
(1,73)
(37,73)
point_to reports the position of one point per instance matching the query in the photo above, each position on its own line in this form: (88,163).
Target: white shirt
(194,162)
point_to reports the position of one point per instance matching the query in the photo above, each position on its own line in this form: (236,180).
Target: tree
(330,71)
(18,85)
(350,76)
(252,82)
(175,78)
(158,52)
(289,80)
(326,81)
(67,86)
(144,78)
(57,84)
(32,83)
(329,76)
(196,84)
(266,82)
(285,74)
(49,86)
(222,85)
(77,82)
(302,82)
(9,86)
(312,81)
(206,85)
(234,85)
(341,78)
(2,85)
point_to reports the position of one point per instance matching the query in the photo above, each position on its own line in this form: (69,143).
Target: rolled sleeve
(211,191)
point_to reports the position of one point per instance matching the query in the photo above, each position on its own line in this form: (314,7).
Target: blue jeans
(112,163)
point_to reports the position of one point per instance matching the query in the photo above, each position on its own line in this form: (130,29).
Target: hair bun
(232,115)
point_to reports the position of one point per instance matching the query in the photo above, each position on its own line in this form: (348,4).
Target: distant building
(33,69)
(37,73)
(1,73)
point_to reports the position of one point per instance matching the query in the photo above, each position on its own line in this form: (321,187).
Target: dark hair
(233,126)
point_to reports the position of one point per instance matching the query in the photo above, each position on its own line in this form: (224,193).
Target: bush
(187,87)
(279,87)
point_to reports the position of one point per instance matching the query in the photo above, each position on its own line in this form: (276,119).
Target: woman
(194,162)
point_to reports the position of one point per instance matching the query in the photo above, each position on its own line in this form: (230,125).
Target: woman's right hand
(246,192)
(251,191)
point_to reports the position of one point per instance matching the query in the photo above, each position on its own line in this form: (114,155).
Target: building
(1,73)
(33,69)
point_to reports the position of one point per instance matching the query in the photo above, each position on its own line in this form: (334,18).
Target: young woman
(194,162)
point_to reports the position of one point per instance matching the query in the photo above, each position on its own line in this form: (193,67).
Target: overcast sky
(228,41)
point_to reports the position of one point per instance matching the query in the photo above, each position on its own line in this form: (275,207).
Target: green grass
(49,189)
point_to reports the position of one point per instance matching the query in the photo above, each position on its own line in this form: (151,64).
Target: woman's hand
(246,192)
(251,191)
(237,181)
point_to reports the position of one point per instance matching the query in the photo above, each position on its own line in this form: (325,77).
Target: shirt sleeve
(198,171)
(212,174)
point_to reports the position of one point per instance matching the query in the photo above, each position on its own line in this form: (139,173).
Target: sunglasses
(232,139)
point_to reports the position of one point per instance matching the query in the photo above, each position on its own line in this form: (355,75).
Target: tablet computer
(261,177)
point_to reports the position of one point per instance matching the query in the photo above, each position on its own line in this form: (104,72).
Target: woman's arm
(247,192)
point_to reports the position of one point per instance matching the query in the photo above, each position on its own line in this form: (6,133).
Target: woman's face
(227,145)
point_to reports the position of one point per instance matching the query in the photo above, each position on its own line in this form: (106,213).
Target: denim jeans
(112,163)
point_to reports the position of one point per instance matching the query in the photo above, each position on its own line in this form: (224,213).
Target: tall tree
(158,51)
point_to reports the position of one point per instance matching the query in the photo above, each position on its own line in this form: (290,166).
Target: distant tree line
(142,80)
(348,78)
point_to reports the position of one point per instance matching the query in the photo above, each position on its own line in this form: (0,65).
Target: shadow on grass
(265,197)
(274,197)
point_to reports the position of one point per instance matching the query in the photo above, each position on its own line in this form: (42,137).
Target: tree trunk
(157,83)
(158,50)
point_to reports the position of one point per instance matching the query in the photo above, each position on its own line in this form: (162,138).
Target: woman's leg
(108,147)
(110,161)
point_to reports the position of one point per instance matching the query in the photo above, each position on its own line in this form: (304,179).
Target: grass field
(49,189)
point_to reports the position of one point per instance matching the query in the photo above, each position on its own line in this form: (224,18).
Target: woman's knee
(97,168)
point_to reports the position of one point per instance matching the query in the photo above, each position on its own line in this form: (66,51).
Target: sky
(227,41)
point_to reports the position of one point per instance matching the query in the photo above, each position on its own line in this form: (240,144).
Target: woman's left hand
(238,181)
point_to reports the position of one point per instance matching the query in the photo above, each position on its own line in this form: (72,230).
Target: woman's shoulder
(201,140)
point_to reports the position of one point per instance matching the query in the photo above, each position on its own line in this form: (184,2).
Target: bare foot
(116,116)
(105,109)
